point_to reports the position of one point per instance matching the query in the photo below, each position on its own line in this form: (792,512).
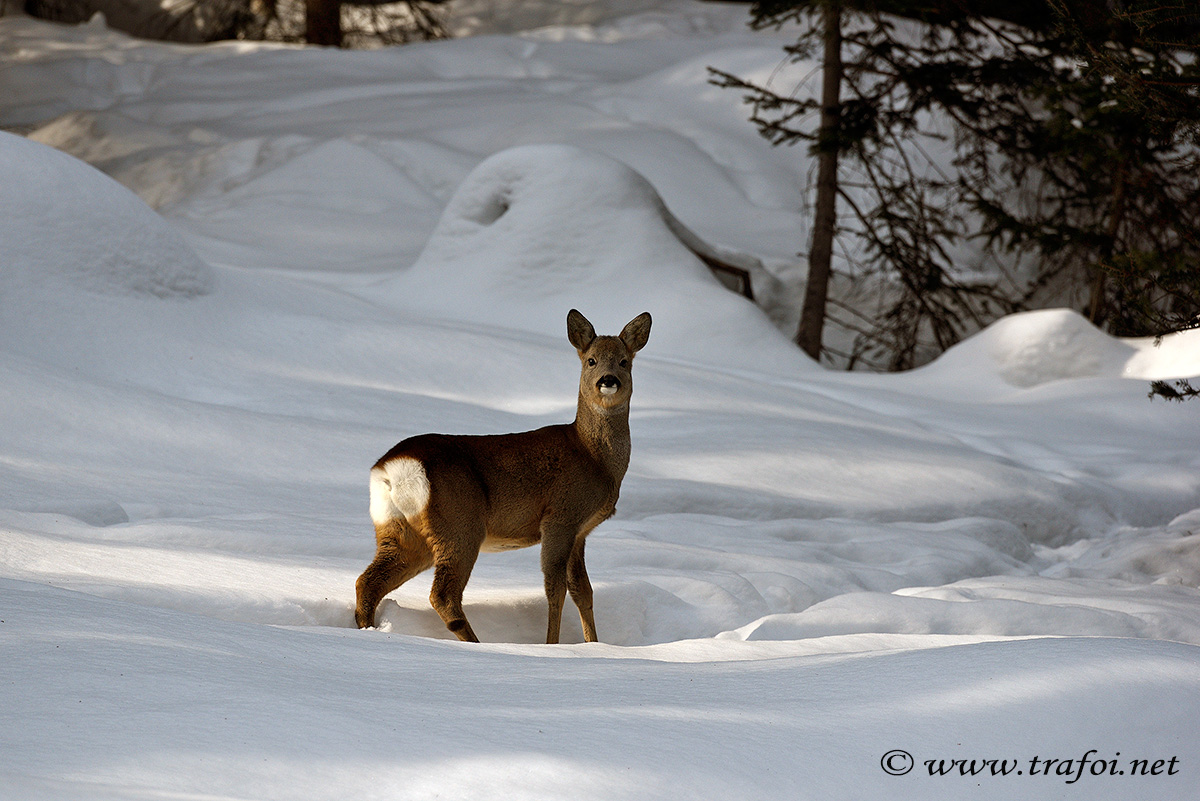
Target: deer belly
(494,542)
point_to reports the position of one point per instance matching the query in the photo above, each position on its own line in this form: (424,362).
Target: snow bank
(584,19)
(1030,349)
(1050,345)
(1013,607)
(1173,356)
(382,138)
(161,704)
(366,215)
(67,226)
(534,231)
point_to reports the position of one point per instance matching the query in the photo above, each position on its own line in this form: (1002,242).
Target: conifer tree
(896,202)
(1097,146)
(1075,134)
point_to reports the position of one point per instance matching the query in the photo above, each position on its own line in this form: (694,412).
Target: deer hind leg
(581,589)
(400,554)
(453,559)
(449,581)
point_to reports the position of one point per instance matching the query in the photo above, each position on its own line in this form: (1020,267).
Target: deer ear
(579,330)
(636,332)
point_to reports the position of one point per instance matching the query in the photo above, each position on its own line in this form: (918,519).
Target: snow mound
(1173,356)
(577,19)
(69,225)
(343,204)
(536,230)
(1053,344)
(1012,606)
(1034,348)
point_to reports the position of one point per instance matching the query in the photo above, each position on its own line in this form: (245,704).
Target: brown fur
(552,485)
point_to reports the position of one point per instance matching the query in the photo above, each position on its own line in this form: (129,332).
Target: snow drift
(1039,347)
(66,225)
(536,230)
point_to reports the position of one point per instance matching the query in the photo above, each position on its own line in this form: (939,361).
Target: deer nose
(608,384)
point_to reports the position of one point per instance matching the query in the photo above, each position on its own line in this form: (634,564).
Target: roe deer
(437,500)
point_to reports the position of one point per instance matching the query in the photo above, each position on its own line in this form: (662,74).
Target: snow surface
(993,557)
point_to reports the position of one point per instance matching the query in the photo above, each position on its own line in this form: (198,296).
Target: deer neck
(605,435)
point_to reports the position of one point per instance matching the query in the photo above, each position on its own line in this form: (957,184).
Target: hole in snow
(491,209)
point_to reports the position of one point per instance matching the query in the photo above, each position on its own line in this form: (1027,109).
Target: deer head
(606,380)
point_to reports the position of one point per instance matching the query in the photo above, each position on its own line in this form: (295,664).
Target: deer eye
(624,362)
(591,362)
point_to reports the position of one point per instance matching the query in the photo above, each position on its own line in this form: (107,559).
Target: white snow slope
(989,564)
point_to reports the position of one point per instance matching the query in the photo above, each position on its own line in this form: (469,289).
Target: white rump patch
(399,488)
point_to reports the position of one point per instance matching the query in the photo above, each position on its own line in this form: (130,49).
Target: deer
(439,500)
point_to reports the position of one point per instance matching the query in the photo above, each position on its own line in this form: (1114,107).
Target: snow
(992,557)
(1036,348)
(113,242)
(536,229)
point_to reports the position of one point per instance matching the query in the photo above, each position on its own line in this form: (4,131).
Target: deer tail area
(399,489)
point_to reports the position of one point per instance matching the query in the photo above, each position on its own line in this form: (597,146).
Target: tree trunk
(820,255)
(1098,309)
(323,22)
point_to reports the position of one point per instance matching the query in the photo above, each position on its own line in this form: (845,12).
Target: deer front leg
(558,542)
(581,589)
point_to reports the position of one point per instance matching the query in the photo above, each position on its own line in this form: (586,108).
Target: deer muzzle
(608,384)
